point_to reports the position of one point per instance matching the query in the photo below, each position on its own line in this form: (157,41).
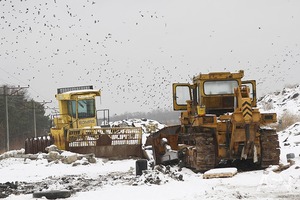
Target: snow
(82,91)
(117,179)
(262,184)
(282,102)
(290,141)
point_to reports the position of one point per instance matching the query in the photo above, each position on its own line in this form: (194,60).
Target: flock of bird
(62,43)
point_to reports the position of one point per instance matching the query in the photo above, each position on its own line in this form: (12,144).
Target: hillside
(286,103)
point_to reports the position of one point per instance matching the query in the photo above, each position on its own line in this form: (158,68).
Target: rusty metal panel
(111,151)
(116,142)
(36,145)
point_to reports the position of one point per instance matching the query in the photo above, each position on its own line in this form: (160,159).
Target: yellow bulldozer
(219,121)
(79,128)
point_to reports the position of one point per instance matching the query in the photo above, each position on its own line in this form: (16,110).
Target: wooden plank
(220,173)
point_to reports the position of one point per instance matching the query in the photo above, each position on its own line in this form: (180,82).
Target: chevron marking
(247,110)
(247,113)
(246,103)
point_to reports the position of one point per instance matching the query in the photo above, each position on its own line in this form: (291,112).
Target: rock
(281,167)
(292,162)
(51,148)
(7,189)
(91,159)
(290,156)
(85,163)
(69,159)
(295,96)
(54,155)
(76,164)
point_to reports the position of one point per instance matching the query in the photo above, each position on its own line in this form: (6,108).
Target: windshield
(86,108)
(220,87)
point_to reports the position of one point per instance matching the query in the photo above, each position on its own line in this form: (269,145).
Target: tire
(53,194)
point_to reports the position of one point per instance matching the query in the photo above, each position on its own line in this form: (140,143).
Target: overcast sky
(133,50)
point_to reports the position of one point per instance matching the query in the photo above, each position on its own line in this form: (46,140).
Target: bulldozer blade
(111,152)
(110,142)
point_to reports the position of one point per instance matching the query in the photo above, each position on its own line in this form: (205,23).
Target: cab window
(86,108)
(72,108)
(219,87)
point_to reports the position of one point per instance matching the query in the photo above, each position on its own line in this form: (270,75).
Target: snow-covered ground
(117,180)
(108,179)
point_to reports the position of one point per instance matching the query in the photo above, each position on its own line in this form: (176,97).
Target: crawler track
(206,152)
(270,148)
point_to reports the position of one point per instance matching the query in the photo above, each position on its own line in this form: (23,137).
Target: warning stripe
(246,103)
(247,113)
(247,109)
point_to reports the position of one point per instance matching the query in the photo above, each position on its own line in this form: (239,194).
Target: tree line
(20,117)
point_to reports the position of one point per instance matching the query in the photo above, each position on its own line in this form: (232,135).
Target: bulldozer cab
(214,91)
(77,107)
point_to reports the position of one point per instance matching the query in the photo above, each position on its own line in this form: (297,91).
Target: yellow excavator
(79,128)
(219,122)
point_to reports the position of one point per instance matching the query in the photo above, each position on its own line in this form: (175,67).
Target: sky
(134,50)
